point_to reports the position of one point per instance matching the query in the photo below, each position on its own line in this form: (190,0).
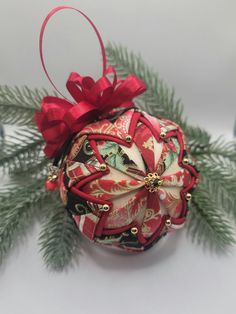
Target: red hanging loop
(50,14)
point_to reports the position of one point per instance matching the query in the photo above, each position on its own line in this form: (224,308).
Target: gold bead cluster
(152,182)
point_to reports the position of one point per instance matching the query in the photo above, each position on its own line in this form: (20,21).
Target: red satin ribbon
(59,118)
(41,36)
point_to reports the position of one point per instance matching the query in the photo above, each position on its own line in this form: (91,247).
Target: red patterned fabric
(103,180)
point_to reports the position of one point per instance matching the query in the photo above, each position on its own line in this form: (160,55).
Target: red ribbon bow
(58,118)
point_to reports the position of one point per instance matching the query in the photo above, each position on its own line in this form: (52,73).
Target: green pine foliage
(20,203)
(17,105)
(212,215)
(159,99)
(22,151)
(59,238)
(206,223)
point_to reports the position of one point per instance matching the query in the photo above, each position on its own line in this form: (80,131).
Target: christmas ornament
(124,176)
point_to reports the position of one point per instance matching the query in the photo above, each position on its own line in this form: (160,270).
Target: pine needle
(218,149)
(207,223)
(17,105)
(21,151)
(20,205)
(158,99)
(220,182)
(59,239)
(199,139)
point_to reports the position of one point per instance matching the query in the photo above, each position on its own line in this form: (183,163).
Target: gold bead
(185,161)
(53,172)
(168,222)
(188,196)
(105,207)
(103,167)
(128,138)
(162,134)
(134,230)
(52,177)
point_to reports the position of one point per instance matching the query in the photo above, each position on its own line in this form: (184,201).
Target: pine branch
(22,151)
(59,238)
(207,224)
(199,140)
(20,205)
(220,182)
(159,100)
(218,150)
(17,106)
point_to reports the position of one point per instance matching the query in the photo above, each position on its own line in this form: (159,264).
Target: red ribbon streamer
(41,36)
(59,118)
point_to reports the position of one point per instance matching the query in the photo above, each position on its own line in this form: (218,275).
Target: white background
(192,45)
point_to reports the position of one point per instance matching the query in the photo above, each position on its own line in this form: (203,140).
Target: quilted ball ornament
(127,180)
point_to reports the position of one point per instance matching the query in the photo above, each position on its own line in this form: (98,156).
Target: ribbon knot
(59,118)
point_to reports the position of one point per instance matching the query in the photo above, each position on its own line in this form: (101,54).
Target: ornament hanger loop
(45,22)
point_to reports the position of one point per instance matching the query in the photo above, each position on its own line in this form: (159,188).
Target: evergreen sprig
(17,105)
(213,206)
(219,150)
(21,151)
(59,238)
(20,203)
(159,99)
(206,222)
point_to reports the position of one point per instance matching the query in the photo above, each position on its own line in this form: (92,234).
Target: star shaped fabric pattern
(127,181)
